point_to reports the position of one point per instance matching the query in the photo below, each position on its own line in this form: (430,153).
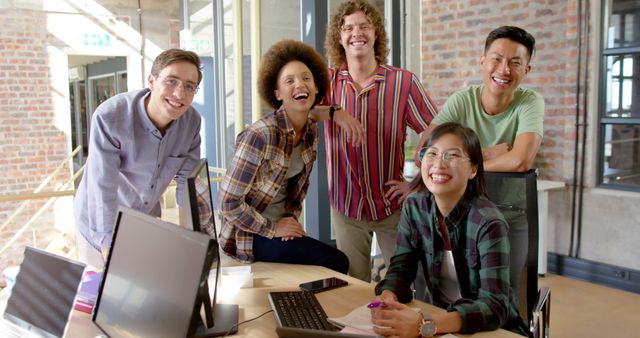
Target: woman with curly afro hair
(262,193)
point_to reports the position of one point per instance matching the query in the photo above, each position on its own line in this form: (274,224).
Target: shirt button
(145,203)
(152,186)
(158,166)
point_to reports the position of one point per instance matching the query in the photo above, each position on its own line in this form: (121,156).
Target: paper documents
(359,319)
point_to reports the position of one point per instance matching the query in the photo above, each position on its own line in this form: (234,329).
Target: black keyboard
(299,309)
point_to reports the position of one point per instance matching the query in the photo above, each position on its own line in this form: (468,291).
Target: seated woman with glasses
(262,193)
(450,227)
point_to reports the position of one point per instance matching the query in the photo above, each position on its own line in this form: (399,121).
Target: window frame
(603,119)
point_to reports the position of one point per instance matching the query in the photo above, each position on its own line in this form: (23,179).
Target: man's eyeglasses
(362,27)
(450,157)
(173,83)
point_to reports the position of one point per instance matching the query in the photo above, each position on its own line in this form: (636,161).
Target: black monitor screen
(42,298)
(152,278)
(200,209)
(219,319)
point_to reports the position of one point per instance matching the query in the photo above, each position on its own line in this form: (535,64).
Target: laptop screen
(42,298)
(151,278)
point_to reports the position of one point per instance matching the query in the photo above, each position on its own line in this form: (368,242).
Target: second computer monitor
(200,202)
(219,319)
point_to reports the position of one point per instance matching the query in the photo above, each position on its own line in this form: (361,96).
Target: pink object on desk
(376,304)
(88,292)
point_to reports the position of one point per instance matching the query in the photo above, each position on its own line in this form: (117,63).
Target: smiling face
(447,179)
(504,65)
(170,93)
(296,88)
(358,36)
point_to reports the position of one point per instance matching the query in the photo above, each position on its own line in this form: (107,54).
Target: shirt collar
(283,122)
(343,73)
(459,212)
(144,116)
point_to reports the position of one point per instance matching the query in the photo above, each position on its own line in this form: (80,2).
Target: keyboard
(299,309)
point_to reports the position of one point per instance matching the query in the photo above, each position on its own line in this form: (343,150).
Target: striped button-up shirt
(480,245)
(393,100)
(254,178)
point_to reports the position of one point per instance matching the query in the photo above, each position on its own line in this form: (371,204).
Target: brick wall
(453,34)
(35,120)
(31,144)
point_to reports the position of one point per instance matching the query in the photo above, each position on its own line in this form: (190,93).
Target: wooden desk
(276,277)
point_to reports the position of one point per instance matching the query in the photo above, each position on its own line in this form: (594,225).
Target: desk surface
(253,301)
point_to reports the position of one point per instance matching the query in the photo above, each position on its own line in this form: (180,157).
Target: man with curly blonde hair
(366,185)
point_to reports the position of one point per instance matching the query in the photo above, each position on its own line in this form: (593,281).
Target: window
(620,106)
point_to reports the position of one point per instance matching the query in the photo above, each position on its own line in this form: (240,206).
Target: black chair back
(516,196)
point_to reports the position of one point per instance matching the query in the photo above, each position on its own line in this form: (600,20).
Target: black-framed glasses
(173,83)
(451,157)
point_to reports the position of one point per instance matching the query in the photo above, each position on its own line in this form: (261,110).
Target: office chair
(516,196)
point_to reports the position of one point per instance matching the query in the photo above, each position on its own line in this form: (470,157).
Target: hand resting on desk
(395,319)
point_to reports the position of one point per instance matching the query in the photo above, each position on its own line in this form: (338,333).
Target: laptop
(42,297)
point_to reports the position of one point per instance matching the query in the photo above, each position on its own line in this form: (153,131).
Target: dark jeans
(302,250)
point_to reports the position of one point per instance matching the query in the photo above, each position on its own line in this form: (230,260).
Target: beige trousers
(353,237)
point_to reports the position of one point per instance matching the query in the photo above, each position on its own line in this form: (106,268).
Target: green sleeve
(449,111)
(531,113)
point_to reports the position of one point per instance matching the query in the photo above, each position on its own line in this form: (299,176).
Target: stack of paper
(86,297)
(357,321)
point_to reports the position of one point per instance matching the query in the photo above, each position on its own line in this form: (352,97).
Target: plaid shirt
(480,246)
(256,174)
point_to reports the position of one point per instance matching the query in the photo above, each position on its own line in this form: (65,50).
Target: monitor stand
(219,319)
(225,322)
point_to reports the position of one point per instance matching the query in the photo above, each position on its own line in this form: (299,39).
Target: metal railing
(63,190)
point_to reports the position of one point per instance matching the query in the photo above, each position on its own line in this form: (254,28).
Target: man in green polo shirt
(507,118)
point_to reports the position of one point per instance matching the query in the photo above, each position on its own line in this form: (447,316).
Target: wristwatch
(332,110)
(427,326)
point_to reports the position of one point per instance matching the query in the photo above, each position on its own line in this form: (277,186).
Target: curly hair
(335,51)
(278,56)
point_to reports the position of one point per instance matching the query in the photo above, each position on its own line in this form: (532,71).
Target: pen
(376,304)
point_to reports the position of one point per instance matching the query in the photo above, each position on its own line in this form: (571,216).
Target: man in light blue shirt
(139,141)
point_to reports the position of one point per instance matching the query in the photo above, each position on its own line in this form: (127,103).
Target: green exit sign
(199,45)
(97,40)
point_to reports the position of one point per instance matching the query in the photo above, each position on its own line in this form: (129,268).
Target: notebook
(42,298)
(88,292)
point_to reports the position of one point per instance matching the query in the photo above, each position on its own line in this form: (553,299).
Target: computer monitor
(42,297)
(152,278)
(199,201)
(219,318)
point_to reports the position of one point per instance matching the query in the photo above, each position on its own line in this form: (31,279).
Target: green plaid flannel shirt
(480,247)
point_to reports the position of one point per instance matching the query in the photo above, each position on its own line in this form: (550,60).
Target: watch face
(428,329)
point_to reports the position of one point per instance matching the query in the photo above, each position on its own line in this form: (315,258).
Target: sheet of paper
(353,330)
(360,319)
